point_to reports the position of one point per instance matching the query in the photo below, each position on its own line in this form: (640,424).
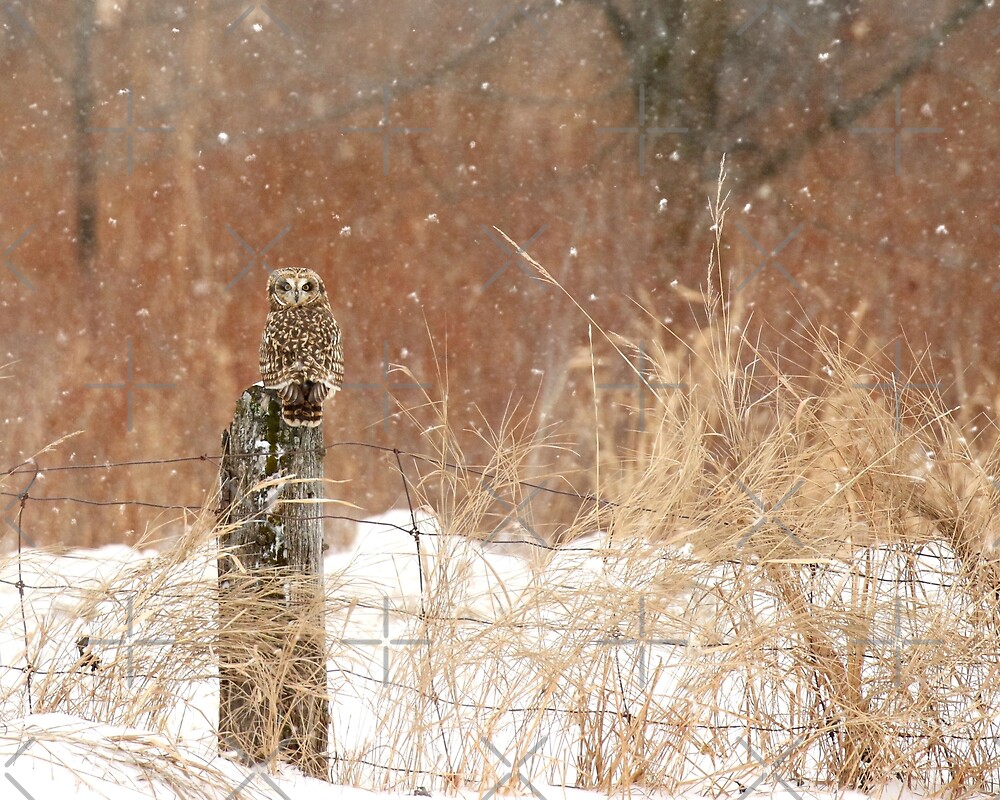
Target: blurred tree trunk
(676,49)
(272,653)
(191,245)
(83,106)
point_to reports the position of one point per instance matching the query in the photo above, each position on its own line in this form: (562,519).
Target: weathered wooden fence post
(272,662)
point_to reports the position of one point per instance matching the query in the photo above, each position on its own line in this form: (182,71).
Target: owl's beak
(298,295)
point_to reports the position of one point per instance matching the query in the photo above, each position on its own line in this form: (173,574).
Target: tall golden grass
(794,574)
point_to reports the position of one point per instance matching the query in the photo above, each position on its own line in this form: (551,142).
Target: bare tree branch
(839,119)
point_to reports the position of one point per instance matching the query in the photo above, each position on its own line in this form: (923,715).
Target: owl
(300,353)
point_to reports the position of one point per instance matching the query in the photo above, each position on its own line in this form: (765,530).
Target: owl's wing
(271,361)
(330,351)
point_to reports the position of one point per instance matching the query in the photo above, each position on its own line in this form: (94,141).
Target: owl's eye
(307,287)
(284,286)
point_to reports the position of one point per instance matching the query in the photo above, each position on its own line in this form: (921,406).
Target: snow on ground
(380,586)
(54,756)
(50,756)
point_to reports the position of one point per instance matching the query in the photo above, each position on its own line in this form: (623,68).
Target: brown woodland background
(158,158)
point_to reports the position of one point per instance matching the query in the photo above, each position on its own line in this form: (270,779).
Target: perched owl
(300,353)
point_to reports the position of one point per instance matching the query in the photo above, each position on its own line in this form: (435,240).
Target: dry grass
(791,569)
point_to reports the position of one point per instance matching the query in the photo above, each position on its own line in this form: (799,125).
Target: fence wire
(624,646)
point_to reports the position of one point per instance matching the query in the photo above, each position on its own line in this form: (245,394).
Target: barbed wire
(947,572)
(28,467)
(37,471)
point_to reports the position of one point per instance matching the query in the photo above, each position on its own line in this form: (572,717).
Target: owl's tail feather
(305,415)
